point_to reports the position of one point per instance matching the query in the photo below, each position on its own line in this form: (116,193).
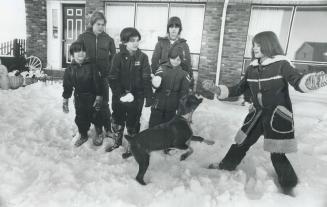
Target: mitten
(127,98)
(210,86)
(316,80)
(65,107)
(156,81)
(97,103)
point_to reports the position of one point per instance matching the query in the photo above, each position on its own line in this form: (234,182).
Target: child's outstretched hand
(208,85)
(65,107)
(316,80)
(97,103)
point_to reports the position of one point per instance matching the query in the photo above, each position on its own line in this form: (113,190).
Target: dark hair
(269,44)
(76,47)
(97,16)
(174,21)
(175,52)
(127,33)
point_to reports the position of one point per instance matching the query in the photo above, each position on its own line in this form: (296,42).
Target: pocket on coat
(282,120)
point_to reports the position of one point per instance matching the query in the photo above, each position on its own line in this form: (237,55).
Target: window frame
(294,10)
(168,16)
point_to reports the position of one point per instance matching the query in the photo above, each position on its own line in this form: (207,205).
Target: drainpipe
(221,40)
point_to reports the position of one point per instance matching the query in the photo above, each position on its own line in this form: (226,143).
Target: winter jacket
(160,54)
(174,85)
(83,79)
(130,73)
(99,49)
(268,83)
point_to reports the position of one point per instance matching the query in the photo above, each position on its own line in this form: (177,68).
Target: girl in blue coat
(267,78)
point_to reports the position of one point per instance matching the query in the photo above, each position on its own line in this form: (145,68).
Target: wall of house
(236,30)
(210,42)
(36,29)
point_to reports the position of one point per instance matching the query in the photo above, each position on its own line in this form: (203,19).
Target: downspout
(221,40)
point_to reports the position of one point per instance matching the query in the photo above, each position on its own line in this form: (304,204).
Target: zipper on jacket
(96,48)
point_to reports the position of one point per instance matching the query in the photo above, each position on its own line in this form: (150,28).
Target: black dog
(176,133)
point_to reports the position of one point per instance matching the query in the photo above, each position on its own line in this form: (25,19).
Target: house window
(276,19)
(302,37)
(151,21)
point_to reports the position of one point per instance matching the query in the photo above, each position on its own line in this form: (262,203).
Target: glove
(65,107)
(316,80)
(127,98)
(210,86)
(148,102)
(97,103)
(156,81)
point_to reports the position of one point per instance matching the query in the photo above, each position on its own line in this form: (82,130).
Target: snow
(40,166)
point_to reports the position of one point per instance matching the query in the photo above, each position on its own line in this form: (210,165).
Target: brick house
(219,32)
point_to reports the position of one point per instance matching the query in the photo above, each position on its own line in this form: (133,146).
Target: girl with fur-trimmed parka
(173,39)
(267,77)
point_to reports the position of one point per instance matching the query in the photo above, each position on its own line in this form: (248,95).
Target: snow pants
(160,116)
(127,113)
(286,175)
(85,112)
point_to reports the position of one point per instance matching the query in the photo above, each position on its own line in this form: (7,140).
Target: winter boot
(131,132)
(98,138)
(286,175)
(107,128)
(233,157)
(83,138)
(118,137)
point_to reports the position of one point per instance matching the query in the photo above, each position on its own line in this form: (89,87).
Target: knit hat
(174,21)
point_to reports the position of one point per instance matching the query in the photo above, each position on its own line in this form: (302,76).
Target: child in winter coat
(267,77)
(171,83)
(100,48)
(173,39)
(84,78)
(130,82)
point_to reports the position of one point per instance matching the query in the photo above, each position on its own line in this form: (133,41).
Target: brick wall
(210,42)
(236,29)
(36,29)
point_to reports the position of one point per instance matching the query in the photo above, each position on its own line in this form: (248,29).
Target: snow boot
(287,177)
(131,132)
(117,136)
(233,157)
(83,138)
(107,128)
(98,138)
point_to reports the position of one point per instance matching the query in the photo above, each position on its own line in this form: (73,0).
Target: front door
(73,25)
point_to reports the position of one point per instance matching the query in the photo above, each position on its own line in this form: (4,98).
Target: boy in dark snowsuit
(171,83)
(100,48)
(84,78)
(173,39)
(130,82)
(267,79)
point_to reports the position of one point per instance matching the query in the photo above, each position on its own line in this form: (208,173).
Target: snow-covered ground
(39,165)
